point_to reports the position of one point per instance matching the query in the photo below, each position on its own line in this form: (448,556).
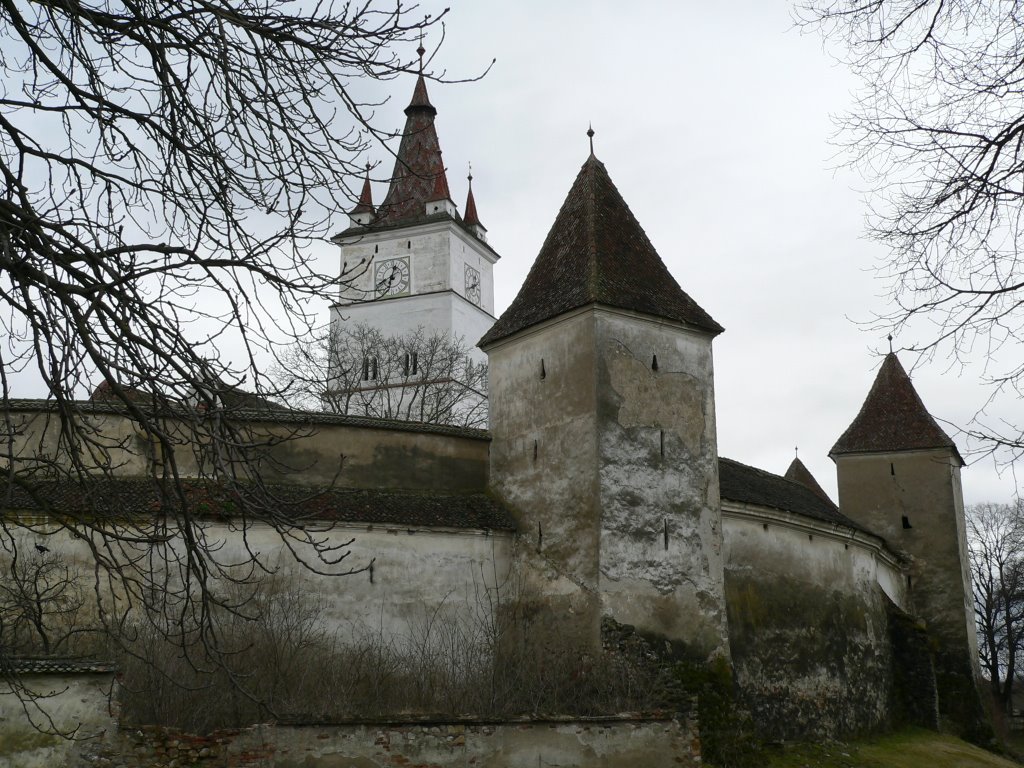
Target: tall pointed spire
(893,418)
(419,171)
(597,253)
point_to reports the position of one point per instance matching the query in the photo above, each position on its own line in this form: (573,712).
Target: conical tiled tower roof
(419,171)
(365,204)
(597,253)
(799,473)
(893,418)
(470,216)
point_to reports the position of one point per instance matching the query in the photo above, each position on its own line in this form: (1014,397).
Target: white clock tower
(414,261)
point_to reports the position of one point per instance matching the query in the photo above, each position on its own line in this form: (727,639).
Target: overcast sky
(714,121)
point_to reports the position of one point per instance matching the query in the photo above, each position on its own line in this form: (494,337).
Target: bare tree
(995,536)
(41,599)
(416,376)
(165,169)
(939,129)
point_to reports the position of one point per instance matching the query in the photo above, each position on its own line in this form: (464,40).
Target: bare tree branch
(938,129)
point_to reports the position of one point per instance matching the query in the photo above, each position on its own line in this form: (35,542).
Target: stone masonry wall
(619,742)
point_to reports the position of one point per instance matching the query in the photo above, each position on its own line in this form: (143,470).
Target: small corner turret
(472,219)
(364,213)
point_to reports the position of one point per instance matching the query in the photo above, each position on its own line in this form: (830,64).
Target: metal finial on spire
(590,135)
(420,51)
(889,337)
(796,451)
(470,176)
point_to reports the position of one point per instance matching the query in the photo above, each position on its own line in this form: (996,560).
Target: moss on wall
(811,661)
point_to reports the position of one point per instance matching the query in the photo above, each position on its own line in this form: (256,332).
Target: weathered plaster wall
(808,623)
(418,574)
(66,704)
(661,535)
(354,453)
(544,464)
(114,442)
(921,489)
(377,457)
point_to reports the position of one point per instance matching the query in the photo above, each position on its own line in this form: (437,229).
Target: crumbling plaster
(661,536)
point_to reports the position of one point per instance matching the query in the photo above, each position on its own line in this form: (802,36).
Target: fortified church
(602,451)
(599,480)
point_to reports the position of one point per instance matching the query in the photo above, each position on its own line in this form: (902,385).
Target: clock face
(391,278)
(472,285)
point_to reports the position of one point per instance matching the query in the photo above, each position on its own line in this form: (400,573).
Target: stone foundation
(614,742)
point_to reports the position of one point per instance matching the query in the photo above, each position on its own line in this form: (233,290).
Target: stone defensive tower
(899,476)
(603,424)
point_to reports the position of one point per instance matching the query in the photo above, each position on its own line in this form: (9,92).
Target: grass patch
(906,749)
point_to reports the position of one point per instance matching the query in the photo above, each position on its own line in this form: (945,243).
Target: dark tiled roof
(124,496)
(419,170)
(277,414)
(597,253)
(799,473)
(56,666)
(105,393)
(747,485)
(893,418)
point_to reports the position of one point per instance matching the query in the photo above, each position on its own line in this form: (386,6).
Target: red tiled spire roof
(365,204)
(418,168)
(470,216)
(893,418)
(597,253)
(799,473)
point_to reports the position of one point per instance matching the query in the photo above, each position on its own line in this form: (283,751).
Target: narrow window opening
(366,369)
(909,582)
(405,365)
(540,537)
(543,373)
(892,470)
(535,450)
(765,526)
(662,440)
(906,522)
(376,248)
(654,363)
(370,569)
(846,546)
(415,363)
(666,534)
(408,244)
(373,368)
(810,537)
